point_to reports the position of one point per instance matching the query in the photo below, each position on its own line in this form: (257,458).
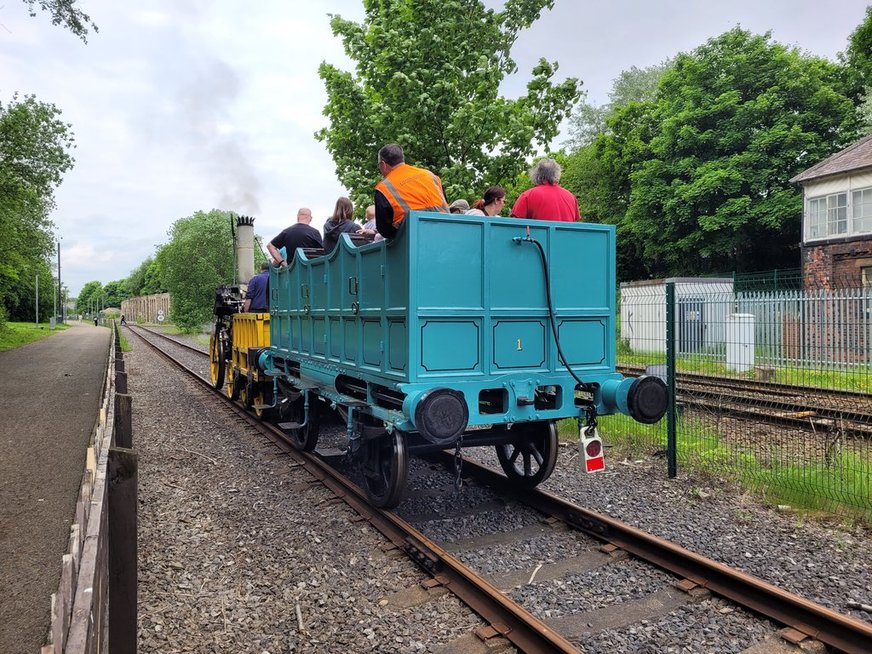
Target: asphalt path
(49,402)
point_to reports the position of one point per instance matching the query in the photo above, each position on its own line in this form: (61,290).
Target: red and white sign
(591,446)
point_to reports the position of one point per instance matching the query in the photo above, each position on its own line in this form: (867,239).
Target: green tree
(115,292)
(91,297)
(858,64)
(704,167)
(633,85)
(21,300)
(427,77)
(197,259)
(145,279)
(35,147)
(66,14)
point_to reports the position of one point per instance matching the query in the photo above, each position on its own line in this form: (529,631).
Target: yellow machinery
(233,348)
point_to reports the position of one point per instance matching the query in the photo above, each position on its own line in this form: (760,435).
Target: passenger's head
(370,213)
(344,210)
(547,171)
(304,216)
(389,157)
(264,265)
(493,198)
(459,206)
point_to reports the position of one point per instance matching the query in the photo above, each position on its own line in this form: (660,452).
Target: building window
(866,276)
(828,216)
(862,211)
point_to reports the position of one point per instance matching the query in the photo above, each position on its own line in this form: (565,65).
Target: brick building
(837,219)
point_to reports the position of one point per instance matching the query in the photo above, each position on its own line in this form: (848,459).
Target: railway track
(801,407)
(602,543)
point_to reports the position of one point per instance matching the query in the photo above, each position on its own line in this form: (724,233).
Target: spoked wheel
(530,456)
(305,438)
(216,361)
(234,386)
(384,464)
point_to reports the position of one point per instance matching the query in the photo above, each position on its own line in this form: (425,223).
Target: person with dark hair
(300,235)
(404,188)
(341,222)
(547,200)
(491,204)
(257,295)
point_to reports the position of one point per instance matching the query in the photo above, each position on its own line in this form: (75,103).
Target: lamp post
(60,291)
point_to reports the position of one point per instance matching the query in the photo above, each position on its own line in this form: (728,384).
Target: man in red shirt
(547,200)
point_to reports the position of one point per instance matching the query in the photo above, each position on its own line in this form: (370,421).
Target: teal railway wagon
(461,331)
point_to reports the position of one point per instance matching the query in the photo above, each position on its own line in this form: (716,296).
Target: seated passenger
(459,206)
(489,205)
(404,188)
(369,217)
(257,295)
(341,222)
(299,235)
(547,200)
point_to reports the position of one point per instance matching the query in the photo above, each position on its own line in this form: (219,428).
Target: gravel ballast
(237,551)
(827,564)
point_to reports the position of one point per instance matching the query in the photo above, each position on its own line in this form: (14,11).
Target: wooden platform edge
(79,607)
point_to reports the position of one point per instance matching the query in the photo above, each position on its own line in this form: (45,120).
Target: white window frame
(838,215)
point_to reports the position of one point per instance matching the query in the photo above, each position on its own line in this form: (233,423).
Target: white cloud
(183,106)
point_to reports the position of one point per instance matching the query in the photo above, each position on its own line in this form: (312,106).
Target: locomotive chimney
(245,248)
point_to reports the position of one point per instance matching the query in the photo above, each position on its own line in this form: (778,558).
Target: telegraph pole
(37,299)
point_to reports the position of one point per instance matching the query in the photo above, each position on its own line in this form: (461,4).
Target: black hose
(587,387)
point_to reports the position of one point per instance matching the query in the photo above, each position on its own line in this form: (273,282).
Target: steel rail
(813,620)
(505,617)
(696,377)
(794,414)
(168,338)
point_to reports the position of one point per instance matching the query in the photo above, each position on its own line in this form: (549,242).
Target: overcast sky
(186,105)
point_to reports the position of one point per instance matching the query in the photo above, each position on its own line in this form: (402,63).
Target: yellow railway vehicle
(234,345)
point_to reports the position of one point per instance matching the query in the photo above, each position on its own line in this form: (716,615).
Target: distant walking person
(257,295)
(300,235)
(547,200)
(404,188)
(123,321)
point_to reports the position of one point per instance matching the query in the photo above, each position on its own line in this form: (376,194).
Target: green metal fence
(772,388)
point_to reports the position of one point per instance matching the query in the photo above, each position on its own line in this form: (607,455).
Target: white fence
(806,328)
(811,327)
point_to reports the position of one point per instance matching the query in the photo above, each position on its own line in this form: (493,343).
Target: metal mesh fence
(772,386)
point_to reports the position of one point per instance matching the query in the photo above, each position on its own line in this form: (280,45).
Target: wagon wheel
(384,464)
(247,392)
(531,453)
(263,396)
(234,386)
(305,438)
(216,361)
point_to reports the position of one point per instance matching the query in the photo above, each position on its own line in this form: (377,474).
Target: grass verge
(16,334)
(841,485)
